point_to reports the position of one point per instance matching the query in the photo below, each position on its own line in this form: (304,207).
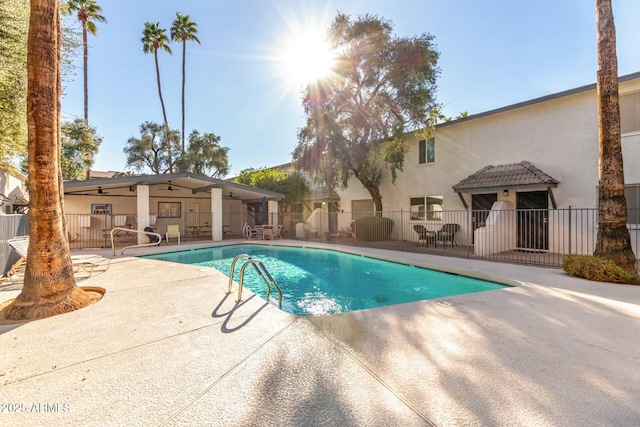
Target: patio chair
(249,232)
(425,235)
(173,230)
(447,233)
(82,264)
(267,232)
(277,232)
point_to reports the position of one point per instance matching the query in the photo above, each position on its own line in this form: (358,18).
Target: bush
(372,228)
(598,269)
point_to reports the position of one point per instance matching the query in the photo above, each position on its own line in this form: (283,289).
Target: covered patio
(200,207)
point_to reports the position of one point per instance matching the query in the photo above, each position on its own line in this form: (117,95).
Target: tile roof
(522,174)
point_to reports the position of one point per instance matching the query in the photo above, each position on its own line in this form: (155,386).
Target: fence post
(401,230)
(470,233)
(569,229)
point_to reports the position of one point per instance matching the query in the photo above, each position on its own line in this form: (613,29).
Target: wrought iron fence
(529,236)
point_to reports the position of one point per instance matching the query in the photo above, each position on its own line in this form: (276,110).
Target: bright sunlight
(306,58)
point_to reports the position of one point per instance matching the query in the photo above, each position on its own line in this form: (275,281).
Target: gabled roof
(515,175)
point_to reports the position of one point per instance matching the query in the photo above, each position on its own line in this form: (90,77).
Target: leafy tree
(291,184)
(154,39)
(49,285)
(80,143)
(152,150)
(14,16)
(183,30)
(205,156)
(88,14)
(613,241)
(382,88)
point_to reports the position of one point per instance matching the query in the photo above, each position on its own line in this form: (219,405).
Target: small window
(630,112)
(426,151)
(429,208)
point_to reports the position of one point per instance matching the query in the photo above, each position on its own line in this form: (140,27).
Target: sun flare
(307,58)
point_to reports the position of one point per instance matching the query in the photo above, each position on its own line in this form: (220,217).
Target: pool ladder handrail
(262,272)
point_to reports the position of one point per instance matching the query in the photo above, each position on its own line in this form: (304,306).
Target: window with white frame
(426,208)
(630,112)
(426,151)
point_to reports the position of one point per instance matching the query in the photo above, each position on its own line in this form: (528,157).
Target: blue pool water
(320,281)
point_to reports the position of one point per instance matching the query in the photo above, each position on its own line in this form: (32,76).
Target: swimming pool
(322,281)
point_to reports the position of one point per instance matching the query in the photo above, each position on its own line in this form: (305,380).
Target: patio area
(167,347)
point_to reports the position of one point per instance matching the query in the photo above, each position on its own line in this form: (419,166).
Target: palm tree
(49,286)
(613,241)
(88,13)
(153,39)
(183,30)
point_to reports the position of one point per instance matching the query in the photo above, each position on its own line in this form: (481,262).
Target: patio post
(273,212)
(142,201)
(216,214)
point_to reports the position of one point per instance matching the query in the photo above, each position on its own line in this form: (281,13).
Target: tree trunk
(184,59)
(86,85)
(164,112)
(49,285)
(613,240)
(374,191)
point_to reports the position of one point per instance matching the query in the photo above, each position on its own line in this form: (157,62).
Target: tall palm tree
(613,241)
(183,30)
(153,39)
(49,286)
(88,13)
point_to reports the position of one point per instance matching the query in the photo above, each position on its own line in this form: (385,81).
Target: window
(169,210)
(429,208)
(630,112)
(426,151)
(632,194)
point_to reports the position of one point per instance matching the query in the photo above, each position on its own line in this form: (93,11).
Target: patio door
(533,220)
(480,208)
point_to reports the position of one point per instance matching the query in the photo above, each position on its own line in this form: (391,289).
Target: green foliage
(154,38)
(372,228)
(291,184)
(80,143)
(88,12)
(381,88)
(14,26)
(152,150)
(158,144)
(598,269)
(205,156)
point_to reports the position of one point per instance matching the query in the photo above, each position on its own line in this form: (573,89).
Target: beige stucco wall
(559,136)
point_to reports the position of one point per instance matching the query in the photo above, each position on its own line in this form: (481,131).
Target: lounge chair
(173,230)
(425,235)
(447,233)
(83,265)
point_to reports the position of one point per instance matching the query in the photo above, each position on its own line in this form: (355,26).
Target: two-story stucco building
(538,154)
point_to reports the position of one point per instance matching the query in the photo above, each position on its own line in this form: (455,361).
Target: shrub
(372,228)
(598,269)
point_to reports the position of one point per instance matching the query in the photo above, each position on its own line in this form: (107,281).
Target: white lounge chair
(84,265)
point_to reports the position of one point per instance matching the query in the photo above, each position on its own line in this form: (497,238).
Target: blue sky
(493,53)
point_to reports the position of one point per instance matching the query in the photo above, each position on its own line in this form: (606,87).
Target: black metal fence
(530,236)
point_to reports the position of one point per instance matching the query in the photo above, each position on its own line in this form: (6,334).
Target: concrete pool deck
(167,346)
